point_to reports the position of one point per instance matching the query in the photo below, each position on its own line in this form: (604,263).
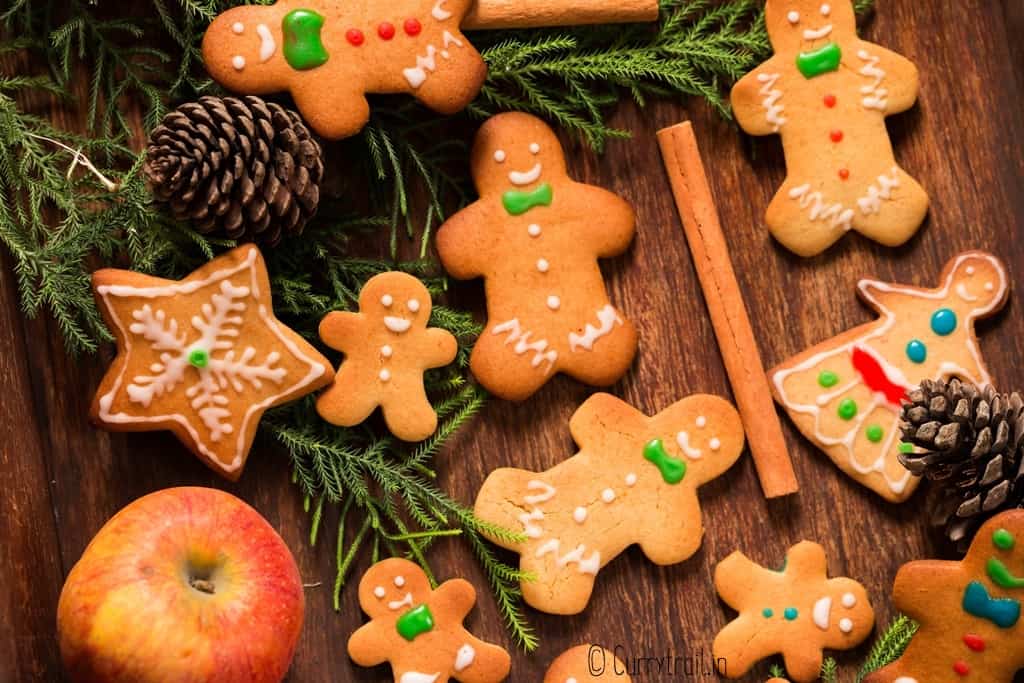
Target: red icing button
(844,173)
(355,36)
(961,668)
(830,101)
(413,27)
(974,642)
(386,30)
(836,135)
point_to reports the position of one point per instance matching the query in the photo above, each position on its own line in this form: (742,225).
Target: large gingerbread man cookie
(203,357)
(845,394)
(535,237)
(387,347)
(634,480)
(827,93)
(329,53)
(796,611)
(969,611)
(419,631)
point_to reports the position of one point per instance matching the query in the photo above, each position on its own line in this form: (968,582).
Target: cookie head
(393,587)
(999,547)
(808,25)
(980,280)
(399,300)
(241,46)
(845,613)
(516,152)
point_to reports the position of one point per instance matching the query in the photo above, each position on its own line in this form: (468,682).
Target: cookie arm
(737,578)
(610,231)
(597,413)
(364,646)
(341,328)
(462,242)
(901,82)
(439,347)
(757,101)
(917,584)
(455,598)
(806,559)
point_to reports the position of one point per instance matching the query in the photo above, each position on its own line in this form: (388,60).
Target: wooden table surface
(60,479)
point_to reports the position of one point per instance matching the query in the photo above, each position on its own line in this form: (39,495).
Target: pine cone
(970,441)
(241,168)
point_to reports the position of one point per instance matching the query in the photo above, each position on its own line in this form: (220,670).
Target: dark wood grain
(60,479)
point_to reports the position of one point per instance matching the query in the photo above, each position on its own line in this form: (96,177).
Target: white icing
(380,592)
(466,654)
(905,679)
(387,300)
(399,604)
(589,565)
(793,17)
(872,202)
(554,303)
(547,492)
(238,61)
(702,422)
(570,679)
(772,95)
(580,515)
(631,479)
(845,625)
(817,34)
(715,444)
(396,324)
(413,305)
(826,9)
(534,148)
(531,530)
(893,373)
(500,156)
(522,342)
(439,12)
(822,613)
(267,44)
(534,230)
(836,213)
(849,600)
(608,495)
(387,351)
(683,439)
(399,581)
(989,287)
(417,677)
(520,178)
(238,28)
(543,265)
(970,270)
(427,64)
(608,318)
(875,96)
(385,375)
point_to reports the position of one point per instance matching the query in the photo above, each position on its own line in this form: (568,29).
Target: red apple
(186,585)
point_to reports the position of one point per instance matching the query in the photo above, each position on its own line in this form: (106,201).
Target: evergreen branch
(889,646)
(829,671)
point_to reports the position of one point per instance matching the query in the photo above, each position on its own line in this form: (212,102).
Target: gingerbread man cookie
(387,347)
(845,394)
(535,237)
(418,630)
(969,611)
(328,54)
(585,664)
(827,93)
(203,357)
(796,611)
(634,480)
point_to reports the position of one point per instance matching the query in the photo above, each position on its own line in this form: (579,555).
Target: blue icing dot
(790,613)
(943,322)
(917,351)
(768,612)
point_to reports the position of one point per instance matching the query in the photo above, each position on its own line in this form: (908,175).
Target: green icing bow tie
(517,203)
(415,622)
(820,61)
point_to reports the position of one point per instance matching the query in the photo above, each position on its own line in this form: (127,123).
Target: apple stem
(203,586)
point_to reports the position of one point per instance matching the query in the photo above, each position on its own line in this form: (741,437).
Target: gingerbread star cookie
(969,611)
(796,611)
(633,481)
(387,347)
(535,237)
(330,54)
(827,93)
(845,393)
(418,630)
(586,664)
(203,357)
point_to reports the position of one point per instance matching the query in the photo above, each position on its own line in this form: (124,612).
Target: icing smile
(961,291)
(399,604)
(267,44)
(397,325)
(526,178)
(822,613)
(817,34)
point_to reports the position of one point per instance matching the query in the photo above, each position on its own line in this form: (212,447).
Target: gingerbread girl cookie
(969,611)
(845,394)
(535,237)
(827,93)
(203,357)
(796,611)
(329,54)
(634,480)
(586,664)
(387,347)
(419,631)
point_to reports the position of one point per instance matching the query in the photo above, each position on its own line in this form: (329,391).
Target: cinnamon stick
(729,316)
(504,14)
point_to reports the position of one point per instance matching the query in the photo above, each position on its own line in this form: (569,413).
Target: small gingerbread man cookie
(387,347)
(969,611)
(203,357)
(827,93)
(796,611)
(585,664)
(535,236)
(634,480)
(419,631)
(329,54)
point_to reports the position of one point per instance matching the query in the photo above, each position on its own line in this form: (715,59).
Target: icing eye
(380,592)
(845,625)
(970,270)
(387,300)
(238,61)
(238,27)
(793,17)
(849,600)
(989,287)
(500,156)
(1003,539)
(826,9)
(414,305)
(399,581)
(534,148)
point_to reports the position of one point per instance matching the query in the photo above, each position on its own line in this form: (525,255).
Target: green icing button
(828,379)
(848,409)
(672,469)
(906,447)
(1003,539)
(415,622)
(303,47)
(199,358)
(874,433)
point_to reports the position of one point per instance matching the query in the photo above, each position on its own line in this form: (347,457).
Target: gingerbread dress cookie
(329,53)
(969,611)
(419,631)
(845,394)
(634,480)
(796,611)
(203,357)
(827,93)
(387,347)
(535,236)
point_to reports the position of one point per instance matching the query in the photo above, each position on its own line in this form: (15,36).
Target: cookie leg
(482,662)
(608,359)
(409,414)
(563,591)
(504,372)
(457,80)
(892,209)
(348,401)
(334,111)
(805,220)
(737,647)
(803,662)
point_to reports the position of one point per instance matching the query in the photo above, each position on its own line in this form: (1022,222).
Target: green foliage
(889,646)
(829,671)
